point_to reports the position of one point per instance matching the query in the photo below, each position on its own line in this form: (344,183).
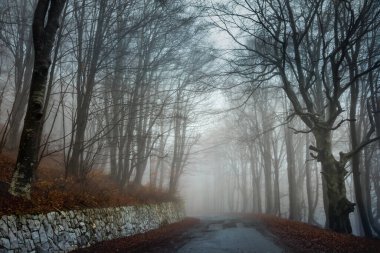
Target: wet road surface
(222,235)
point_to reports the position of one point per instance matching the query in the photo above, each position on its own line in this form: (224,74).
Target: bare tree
(43,39)
(306,46)
(16,36)
(312,200)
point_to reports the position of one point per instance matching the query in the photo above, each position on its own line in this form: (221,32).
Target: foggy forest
(234,107)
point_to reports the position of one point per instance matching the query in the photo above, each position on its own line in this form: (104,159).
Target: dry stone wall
(63,231)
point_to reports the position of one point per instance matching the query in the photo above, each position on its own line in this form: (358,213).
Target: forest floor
(193,235)
(51,191)
(302,237)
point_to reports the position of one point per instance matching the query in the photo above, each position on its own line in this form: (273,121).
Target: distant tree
(312,199)
(89,51)
(294,201)
(16,36)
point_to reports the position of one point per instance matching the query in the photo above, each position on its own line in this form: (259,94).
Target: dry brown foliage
(51,191)
(302,237)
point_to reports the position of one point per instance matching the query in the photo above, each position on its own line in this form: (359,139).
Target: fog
(232,106)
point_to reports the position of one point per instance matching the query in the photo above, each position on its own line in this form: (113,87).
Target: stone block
(33,225)
(77,232)
(51,217)
(5,243)
(11,221)
(13,241)
(82,240)
(3,227)
(29,245)
(48,230)
(35,237)
(43,235)
(20,236)
(60,228)
(71,215)
(72,238)
(43,248)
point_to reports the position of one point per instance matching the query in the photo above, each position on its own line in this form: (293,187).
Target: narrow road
(212,235)
(222,235)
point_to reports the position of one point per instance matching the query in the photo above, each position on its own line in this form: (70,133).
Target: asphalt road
(222,235)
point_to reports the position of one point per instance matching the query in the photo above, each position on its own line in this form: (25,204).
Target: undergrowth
(51,191)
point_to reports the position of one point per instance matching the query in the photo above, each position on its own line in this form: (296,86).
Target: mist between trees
(119,85)
(119,91)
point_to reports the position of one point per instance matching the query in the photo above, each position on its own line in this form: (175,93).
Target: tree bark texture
(334,173)
(43,38)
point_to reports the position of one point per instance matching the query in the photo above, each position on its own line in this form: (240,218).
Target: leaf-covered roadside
(302,237)
(146,242)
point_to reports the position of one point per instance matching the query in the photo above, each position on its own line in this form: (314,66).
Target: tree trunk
(294,208)
(276,186)
(255,180)
(23,70)
(373,220)
(84,95)
(268,176)
(243,186)
(310,201)
(43,38)
(355,163)
(333,172)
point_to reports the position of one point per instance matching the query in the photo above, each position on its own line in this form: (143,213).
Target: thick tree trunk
(43,38)
(333,172)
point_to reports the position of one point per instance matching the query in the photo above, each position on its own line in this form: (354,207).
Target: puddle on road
(225,225)
(240,225)
(213,227)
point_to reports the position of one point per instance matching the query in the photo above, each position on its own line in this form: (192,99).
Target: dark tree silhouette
(44,33)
